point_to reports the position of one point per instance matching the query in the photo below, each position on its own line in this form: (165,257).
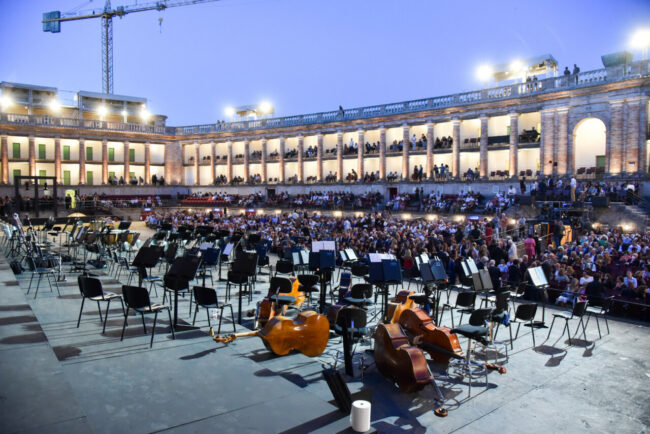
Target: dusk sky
(305,56)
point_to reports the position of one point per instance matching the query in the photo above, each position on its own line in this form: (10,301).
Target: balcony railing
(87,124)
(583,79)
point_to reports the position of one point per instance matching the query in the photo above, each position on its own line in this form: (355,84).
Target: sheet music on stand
(205,246)
(472,265)
(352,257)
(539,281)
(304,257)
(378,257)
(538,277)
(228,249)
(317,246)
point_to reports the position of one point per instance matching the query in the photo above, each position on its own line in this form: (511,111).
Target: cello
(402,302)
(308,333)
(267,308)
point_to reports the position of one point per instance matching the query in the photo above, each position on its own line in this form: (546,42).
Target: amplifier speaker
(526,200)
(600,202)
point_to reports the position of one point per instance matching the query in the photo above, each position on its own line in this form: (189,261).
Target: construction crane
(52,23)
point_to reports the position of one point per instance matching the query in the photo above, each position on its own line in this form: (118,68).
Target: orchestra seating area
(60,378)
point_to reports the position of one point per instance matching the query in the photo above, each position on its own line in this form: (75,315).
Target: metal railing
(582,79)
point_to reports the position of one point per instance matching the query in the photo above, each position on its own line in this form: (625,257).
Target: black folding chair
(137,298)
(91,288)
(207,298)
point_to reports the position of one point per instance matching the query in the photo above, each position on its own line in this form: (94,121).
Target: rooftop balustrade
(583,79)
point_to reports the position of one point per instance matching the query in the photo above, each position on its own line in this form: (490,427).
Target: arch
(589,143)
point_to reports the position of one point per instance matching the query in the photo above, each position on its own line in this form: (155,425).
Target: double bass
(404,364)
(439,342)
(308,333)
(398,360)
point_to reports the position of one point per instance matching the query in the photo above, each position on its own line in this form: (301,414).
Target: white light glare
(266,107)
(516,66)
(230,111)
(484,73)
(55,106)
(5,102)
(640,39)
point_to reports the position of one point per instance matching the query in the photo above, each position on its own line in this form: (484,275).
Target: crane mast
(52,24)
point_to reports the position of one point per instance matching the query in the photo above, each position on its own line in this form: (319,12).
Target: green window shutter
(132,155)
(111,154)
(16,150)
(42,173)
(41,151)
(89,177)
(66,152)
(131,175)
(89,154)
(66,177)
(111,175)
(16,173)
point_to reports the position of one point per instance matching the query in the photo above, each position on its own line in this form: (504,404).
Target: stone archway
(589,144)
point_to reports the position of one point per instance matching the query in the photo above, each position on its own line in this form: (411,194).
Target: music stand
(441,281)
(245,264)
(147,257)
(539,282)
(322,258)
(180,274)
(384,271)
(124,225)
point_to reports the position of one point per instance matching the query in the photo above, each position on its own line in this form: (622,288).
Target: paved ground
(59,378)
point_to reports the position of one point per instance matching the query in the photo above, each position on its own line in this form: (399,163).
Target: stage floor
(59,378)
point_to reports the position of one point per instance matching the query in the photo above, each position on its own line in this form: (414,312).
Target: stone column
(483,149)
(104,161)
(360,151)
(4,152)
(229,145)
(615,157)
(406,143)
(82,161)
(562,151)
(174,163)
(430,140)
(455,148)
(339,155)
(247,169)
(301,151)
(319,157)
(632,142)
(57,160)
(548,138)
(197,169)
(282,151)
(382,153)
(514,145)
(127,163)
(147,162)
(643,130)
(263,174)
(32,156)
